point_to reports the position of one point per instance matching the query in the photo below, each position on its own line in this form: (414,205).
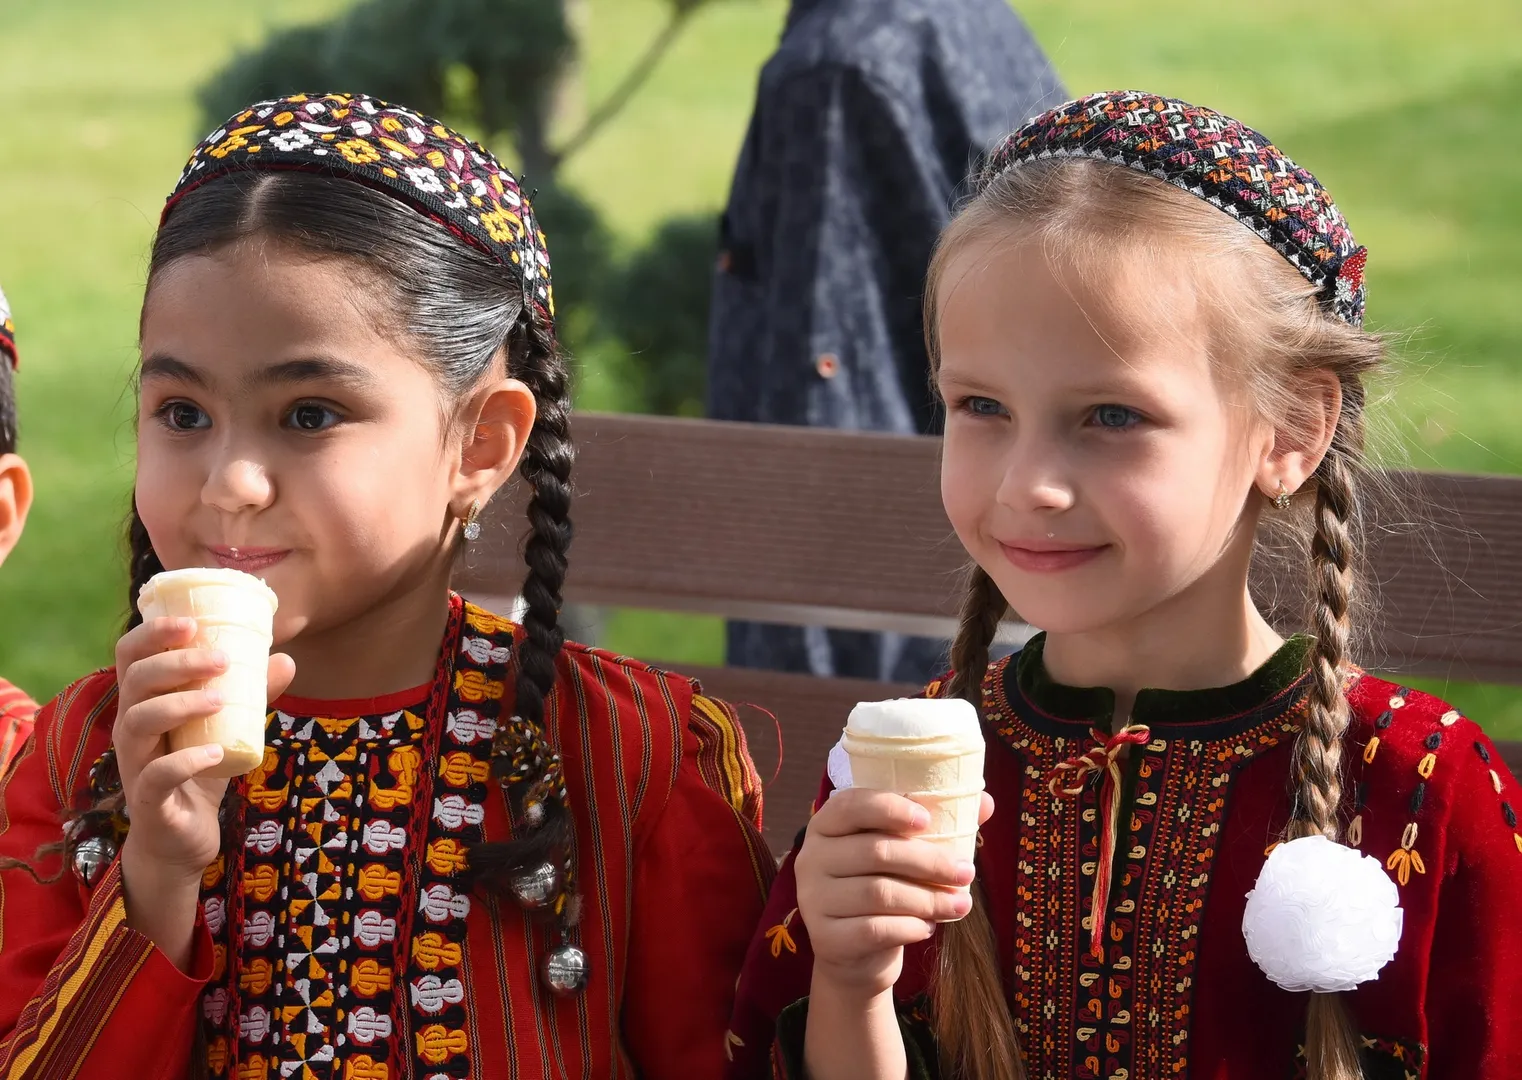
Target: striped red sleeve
(81,993)
(701,879)
(17,712)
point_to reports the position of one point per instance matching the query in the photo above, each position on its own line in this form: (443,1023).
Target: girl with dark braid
(1213,851)
(472,849)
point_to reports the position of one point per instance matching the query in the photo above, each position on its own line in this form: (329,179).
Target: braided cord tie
(1067,781)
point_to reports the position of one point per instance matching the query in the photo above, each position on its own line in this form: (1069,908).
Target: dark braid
(142,564)
(541,816)
(974,1031)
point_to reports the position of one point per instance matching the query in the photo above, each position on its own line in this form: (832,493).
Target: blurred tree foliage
(496,66)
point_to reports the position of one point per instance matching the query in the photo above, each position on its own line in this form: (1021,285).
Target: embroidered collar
(1055,708)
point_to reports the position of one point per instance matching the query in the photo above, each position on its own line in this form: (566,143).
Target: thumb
(282,671)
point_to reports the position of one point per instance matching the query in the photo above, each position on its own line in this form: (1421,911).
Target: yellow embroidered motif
(213,873)
(1370,750)
(432,952)
(1355,831)
(436,1044)
(474,686)
(1406,858)
(261,883)
(731,1040)
(256,976)
(370,977)
(376,882)
(460,768)
(446,856)
(216,1054)
(1426,765)
(364,1067)
(780,938)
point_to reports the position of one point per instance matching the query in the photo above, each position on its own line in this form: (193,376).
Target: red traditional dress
(17,712)
(336,939)
(1175,994)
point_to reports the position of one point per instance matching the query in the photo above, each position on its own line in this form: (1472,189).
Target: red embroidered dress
(1175,994)
(336,939)
(17,711)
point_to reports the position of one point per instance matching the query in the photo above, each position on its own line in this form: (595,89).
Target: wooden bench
(838,529)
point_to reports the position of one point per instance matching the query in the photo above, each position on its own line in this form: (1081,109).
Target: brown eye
(310,416)
(183,416)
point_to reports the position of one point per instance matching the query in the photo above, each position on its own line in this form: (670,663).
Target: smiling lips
(1047,557)
(248,559)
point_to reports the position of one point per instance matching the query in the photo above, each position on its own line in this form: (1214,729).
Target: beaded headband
(1216,158)
(8,333)
(438,172)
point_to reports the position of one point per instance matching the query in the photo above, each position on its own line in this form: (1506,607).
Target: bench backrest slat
(846,529)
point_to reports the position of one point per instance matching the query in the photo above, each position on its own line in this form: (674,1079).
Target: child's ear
(15,501)
(495,429)
(1303,437)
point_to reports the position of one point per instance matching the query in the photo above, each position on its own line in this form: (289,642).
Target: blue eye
(1115,417)
(183,416)
(982,406)
(311,417)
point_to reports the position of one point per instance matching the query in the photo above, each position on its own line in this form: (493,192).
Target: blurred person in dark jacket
(868,118)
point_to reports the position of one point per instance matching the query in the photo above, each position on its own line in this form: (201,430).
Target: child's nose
(238,483)
(1035,479)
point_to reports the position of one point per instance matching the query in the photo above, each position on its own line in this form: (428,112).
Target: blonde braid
(1331,1042)
(974,1032)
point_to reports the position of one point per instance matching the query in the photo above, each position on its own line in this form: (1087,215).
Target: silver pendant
(565,970)
(91,858)
(537,887)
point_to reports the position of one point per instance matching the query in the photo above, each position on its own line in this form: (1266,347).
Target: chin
(1060,611)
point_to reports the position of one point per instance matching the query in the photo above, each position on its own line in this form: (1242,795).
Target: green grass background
(1405,109)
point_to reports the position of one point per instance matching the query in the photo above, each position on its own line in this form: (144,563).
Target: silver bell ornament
(565,970)
(91,858)
(537,887)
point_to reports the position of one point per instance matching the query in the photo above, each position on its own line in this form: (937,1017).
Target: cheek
(378,494)
(1178,503)
(969,478)
(166,488)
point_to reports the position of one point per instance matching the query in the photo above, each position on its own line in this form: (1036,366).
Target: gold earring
(1281,500)
(472,530)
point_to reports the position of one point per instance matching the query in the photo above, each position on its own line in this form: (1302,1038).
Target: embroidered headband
(438,172)
(1216,158)
(8,333)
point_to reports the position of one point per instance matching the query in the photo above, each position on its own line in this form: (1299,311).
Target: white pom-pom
(838,766)
(1322,917)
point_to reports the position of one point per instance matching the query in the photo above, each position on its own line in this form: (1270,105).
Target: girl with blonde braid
(1212,852)
(472,849)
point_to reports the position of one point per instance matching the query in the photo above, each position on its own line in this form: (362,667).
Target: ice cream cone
(234,612)
(929,750)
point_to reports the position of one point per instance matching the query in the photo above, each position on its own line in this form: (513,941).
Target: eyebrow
(307,369)
(167,367)
(313,369)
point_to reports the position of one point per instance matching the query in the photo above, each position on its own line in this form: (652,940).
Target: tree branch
(636,77)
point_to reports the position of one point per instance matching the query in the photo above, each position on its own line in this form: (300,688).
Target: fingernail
(921,818)
(212,753)
(218,658)
(961,904)
(213,696)
(184,624)
(966,871)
